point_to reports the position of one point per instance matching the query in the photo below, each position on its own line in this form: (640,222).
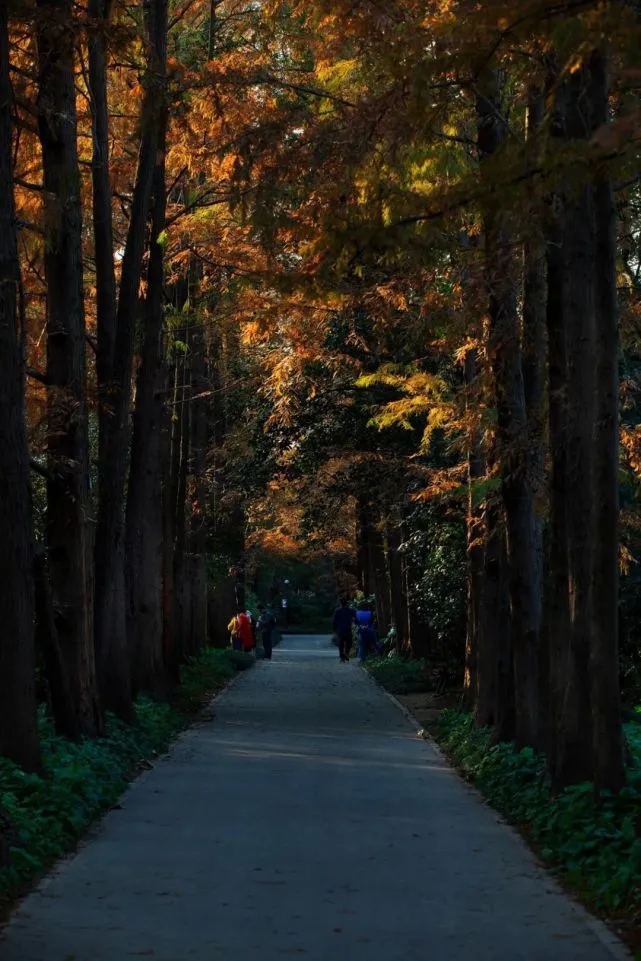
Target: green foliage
(309,613)
(593,842)
(400,676)
(435,548)
(42,816)
(207,674)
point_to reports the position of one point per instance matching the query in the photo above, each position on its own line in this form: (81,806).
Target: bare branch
(37,375)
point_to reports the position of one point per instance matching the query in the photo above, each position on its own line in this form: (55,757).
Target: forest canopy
(349,289)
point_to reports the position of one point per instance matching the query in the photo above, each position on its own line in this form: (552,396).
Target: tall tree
(68,508)
(474,542)
(504,347)
(573,727)
(110,614)
(149,455)
(99,11)
(197,496)
(18,730)
(604,660)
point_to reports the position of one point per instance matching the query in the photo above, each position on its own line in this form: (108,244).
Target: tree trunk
(512,437)
(181,471)
(380,582)
(110,614)
(534,379)
(48,648)
(198,499)
(144,514)
(395,579)
(604,661)
(18,729)
(170,440)
(99,11)
(474,549)
(557,611)
(534,349)
(505,719)
(487,654)
(574,760)
(67,526)
(363,549)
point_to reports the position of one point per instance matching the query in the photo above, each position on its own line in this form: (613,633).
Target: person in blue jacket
(366,630)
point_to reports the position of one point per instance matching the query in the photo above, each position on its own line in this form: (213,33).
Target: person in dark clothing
(266,625)
(344,617)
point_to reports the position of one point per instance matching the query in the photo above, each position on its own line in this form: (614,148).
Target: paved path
(305,820)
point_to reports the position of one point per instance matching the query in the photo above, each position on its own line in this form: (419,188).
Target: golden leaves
(631,443)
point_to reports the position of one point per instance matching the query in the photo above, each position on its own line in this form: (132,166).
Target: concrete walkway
(305,820)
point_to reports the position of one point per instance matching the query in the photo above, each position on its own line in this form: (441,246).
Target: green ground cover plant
(400,676)
(593,842)
(42,816)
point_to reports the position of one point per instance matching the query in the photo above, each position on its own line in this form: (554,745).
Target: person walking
(344,617)
(240,629)
(266,625)
(366,629)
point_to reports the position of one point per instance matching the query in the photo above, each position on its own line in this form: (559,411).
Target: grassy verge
(43,817)
(399,676)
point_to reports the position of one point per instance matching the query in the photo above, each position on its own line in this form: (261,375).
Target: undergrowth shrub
(42,816)
(399,676)
(594,842)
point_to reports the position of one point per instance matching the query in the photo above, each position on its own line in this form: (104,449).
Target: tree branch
(37,375)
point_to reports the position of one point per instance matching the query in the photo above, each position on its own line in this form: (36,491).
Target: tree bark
(534,348)
(363,548)
(197,536)
(110,615)
(379,575)
(485,702)
(68,506)
(474,548)
(181,472)
(512,438)
(575,759)
(170,440)
(48,648)
(534,338)
(398,605)
(99,11)
(556,597)
(505,720)
(18,728)
(604,661)
(144,514)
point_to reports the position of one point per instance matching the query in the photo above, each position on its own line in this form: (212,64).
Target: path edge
(612,943)
(205,715)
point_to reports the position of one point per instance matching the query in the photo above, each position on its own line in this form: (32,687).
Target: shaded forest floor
(592,845)
(43,817)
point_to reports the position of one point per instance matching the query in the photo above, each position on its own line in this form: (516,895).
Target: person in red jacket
(240,628)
